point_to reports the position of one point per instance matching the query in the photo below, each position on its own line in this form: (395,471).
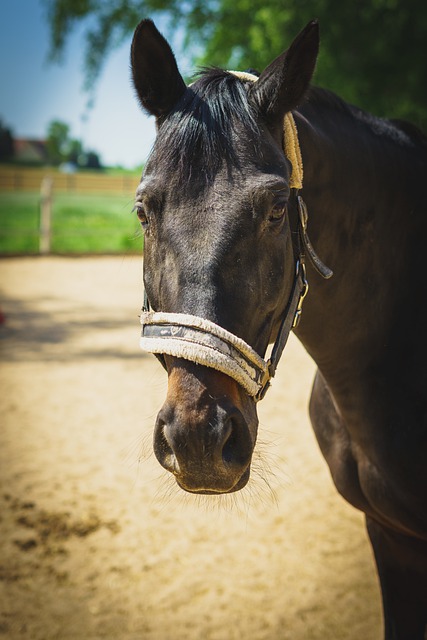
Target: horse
(236,229)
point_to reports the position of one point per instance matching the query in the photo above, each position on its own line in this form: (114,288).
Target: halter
(206,343)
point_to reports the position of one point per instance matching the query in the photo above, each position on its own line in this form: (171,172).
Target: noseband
(206,343)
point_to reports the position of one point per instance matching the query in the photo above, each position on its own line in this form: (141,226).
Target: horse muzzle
(205,432)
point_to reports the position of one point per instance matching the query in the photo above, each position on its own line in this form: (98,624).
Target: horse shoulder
(335,443)
(377,484)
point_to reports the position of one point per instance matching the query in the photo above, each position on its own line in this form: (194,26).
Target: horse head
(213,203)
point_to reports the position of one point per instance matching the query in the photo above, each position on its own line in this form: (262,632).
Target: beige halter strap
(290,139)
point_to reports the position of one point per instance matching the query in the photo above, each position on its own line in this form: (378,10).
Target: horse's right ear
(156,78)
(282,85)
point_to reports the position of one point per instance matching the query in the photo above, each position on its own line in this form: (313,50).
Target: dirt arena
(96,541)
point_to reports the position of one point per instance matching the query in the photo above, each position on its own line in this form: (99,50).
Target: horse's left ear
(155,74)
(282,85)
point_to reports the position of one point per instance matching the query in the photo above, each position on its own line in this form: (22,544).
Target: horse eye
(142,216)
(278,211)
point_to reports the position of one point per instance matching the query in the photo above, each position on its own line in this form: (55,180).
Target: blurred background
(89,140)
(95,539)
(73,141)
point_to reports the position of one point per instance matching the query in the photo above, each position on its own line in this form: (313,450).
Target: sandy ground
(96,541)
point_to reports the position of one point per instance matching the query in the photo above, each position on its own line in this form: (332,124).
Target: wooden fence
(23,179)
(48,181)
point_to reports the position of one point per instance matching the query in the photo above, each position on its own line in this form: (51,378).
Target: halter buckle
(303,294)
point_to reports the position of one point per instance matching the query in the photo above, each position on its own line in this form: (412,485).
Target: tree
(372,51)
(74,151)
(6,143)
(58,136)
(62,147)
(92,160)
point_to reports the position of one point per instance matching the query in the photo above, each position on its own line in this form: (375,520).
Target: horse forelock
(196,138)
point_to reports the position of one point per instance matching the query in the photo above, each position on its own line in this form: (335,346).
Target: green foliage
(57,141)
(74,151)
(62,148)
(81,224)
(372,51)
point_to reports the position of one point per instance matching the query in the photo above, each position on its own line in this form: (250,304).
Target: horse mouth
(206,488)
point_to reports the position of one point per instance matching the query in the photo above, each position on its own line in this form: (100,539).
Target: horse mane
(414,132)
(400,131)
(198,132)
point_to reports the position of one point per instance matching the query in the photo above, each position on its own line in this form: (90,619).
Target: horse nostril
(236,449)
(229,448)
(163,450)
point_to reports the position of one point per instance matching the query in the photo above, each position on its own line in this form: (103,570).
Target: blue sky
(34,91)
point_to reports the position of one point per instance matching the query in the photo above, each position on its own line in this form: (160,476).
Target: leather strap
(320,267)
(290,320)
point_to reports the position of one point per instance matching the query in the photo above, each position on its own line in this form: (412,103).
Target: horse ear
(156,78)
(282,85)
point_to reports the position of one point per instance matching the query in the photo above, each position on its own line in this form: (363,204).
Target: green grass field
(80,223)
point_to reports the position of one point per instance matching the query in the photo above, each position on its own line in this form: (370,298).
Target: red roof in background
(30,149)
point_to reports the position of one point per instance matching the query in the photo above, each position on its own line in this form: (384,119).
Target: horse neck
(359,186)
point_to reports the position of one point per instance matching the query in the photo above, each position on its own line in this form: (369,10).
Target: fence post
(45,215)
